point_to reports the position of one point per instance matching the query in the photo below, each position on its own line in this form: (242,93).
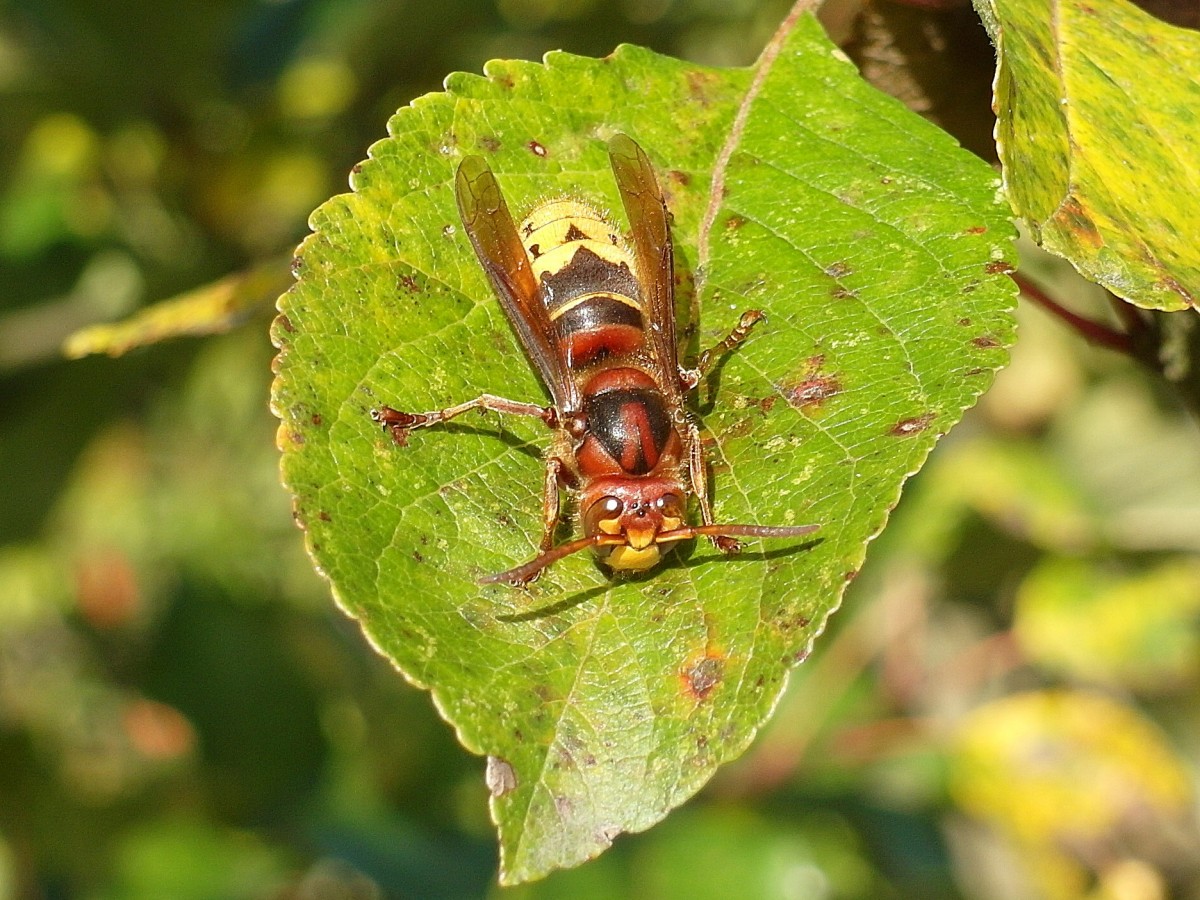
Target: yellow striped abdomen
(586,275)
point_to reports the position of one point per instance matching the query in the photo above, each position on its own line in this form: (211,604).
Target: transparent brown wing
(498,246)
(651,234)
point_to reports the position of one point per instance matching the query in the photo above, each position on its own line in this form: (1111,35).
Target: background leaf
(1143,625)
(211,309)
(1029,764)
(1100,140)
(875,246)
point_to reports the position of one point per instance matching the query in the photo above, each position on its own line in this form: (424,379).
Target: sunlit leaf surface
(878,251)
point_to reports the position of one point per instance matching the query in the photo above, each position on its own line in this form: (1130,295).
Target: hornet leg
(401,423)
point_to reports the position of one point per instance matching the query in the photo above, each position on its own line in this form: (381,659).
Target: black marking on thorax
(631,424)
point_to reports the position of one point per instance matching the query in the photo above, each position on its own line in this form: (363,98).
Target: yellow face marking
(670,523)
(609,526)
(640,538)
(571,304)
(628,559)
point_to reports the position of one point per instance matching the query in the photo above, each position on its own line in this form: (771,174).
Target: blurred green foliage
(1005,707)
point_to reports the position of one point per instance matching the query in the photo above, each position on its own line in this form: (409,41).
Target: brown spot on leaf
(734,222)
(839,269)
(699,83)
(356,168)
(701,674)
(815,386)
(841,293)
(324,516)
(489,143)
(915,425)
(977,229)
(410,284)
(793,623)
(985,342)
(537,149)
(1071,216)
(297,266)
(286,324)
(316,419)
(814,390)
(999,267)
(416,554)
(681,178)
(766,404)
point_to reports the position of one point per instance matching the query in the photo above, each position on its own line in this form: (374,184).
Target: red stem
(1095,332)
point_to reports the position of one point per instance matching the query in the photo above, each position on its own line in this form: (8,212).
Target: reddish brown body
(595,314)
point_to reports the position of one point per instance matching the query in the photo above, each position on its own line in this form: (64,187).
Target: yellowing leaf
(209,309)
(1054,771)
(1099,134)
(1135,630)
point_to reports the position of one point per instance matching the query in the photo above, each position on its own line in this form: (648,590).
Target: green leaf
(1099,134)
(875,246)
